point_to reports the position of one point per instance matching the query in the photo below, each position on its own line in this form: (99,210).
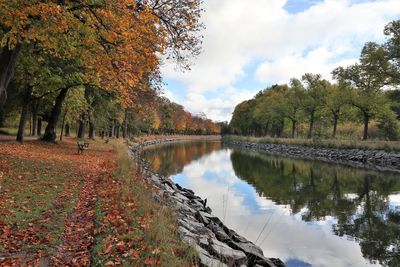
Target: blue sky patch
(298,6)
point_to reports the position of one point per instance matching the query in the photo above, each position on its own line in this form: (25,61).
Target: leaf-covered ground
(59,208)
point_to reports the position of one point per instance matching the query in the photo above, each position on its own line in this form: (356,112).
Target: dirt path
(79,235)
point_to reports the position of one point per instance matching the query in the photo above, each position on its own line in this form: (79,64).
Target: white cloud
(316,61)
(218,108)
(241,34)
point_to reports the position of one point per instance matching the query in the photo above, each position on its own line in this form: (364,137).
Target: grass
(388,146)
(150,230)
(11,131)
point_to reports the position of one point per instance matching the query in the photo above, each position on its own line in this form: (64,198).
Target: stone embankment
(216,244)
(371,159)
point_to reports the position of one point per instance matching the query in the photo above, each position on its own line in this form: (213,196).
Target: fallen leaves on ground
(47,202)
(58,208)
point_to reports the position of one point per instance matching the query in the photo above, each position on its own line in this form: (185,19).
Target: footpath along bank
(216,244)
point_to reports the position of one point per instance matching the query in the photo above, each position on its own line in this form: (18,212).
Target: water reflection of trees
(358,199)
(169,159)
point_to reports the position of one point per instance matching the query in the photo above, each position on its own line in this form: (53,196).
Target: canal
(306,213)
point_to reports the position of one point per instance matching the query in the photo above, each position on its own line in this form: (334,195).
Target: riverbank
(58,208)
(371,156)
(215,244)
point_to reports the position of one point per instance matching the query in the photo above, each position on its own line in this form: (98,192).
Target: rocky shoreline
(371,159)
(216,244)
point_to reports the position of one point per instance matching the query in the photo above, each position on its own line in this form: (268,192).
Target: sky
(250,45)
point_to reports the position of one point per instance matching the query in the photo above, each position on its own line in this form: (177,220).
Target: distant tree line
(162,116)
(87,112)
(363,92)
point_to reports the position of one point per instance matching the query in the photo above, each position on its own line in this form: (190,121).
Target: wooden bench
(82,145)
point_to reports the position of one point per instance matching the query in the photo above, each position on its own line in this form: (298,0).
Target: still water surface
(306,213)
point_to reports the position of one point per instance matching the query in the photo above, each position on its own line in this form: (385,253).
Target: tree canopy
(110,50)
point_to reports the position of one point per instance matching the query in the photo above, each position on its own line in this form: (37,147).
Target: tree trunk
(39,127)
(125,132)
(30,122)
(118,130)
(91,130)
(366,123)
(63,125)
(34,110)
(67,129)
(34,122)
(280,129)
(335,121)
(81,129)
(293,128)
(24,114)
(310,130)
(115,128)
(112,133)
(8,61)
(50,132)
(2,116)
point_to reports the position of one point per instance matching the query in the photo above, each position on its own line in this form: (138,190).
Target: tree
(293,103)
(242,118)
(314,97)
(73,105)
(69,76)
(337,97)
(367,77)
(271,110)
(43,24)
(37,77)
(392,47)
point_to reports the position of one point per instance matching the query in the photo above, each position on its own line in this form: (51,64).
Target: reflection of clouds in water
(351,196)
(394,201)
(215,164)
(285,235)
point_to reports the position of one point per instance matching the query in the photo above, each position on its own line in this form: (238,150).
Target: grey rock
(181,197)
(196,204)
(248,248)
(227,253)
(168,188)
(185,208)
(206,218)
(207,260)
(219,232)
(194,226)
